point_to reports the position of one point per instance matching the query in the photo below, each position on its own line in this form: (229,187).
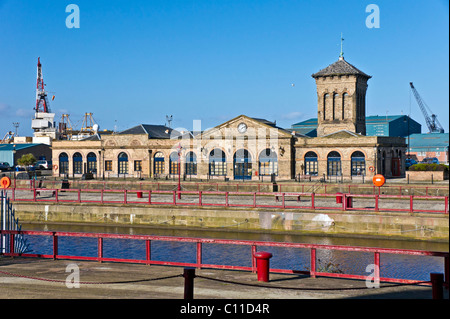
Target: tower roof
(340,67)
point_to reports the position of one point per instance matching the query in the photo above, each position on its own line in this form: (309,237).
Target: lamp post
(179,148)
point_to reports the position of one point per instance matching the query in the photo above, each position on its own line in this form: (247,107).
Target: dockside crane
(432,122)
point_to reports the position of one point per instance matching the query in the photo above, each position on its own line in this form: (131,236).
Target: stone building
(246,148)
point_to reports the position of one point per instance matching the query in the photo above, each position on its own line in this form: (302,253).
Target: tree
(27,160)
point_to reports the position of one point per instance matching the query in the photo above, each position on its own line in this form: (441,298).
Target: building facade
(246,148)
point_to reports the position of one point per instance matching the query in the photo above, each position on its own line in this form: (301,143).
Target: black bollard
(189,275)
(437,281)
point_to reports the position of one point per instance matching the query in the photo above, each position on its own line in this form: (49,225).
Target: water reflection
(398,266)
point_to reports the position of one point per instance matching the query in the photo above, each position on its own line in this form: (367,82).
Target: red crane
(42,104)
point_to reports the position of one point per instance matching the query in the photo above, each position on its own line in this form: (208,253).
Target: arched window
(77,163)
(63,163)
(344,102)
(158,163)
(335,105)
(311,164)
(358,163)
(91,163)
(173,163)
(325,98)
(268,162)
(123,163)
(217,163)
(242,161)
(334,164)
(191,164)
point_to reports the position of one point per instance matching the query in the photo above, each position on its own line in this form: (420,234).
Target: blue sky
(133,62)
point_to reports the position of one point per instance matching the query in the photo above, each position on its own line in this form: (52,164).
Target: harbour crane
(432,122)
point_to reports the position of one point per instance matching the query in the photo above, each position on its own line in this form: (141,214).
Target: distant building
(393,125)
(10,153)
(429,145)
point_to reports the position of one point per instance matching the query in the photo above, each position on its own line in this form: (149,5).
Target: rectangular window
(123,167)
(218,169)
(159,167)
(174,167)
(311,167)
(138,166)
(268,168)
(191,168)
(334,167)
(108,165)
(358,166)
(63,167)
(78,167)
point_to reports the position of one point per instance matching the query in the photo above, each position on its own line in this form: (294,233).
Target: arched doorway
(334,167)
(217,163)
(191,164)
(77,163)
(91,163)
(158,164)
(358,164)
(63,163)
(311,164)
(173,163)
(268,163)
(242,162)
(123,163)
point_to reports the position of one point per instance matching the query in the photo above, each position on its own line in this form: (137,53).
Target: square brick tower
(341,98)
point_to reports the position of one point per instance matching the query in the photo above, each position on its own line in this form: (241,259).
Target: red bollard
(339,198)
(139,194)
(262,265)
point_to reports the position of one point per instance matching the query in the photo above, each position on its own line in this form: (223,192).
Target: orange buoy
(378,180)
(5,182)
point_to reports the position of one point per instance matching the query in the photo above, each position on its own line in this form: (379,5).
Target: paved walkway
(27,278)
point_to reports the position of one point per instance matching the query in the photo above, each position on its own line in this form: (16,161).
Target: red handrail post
(344,201)
(313,204)
(200,198)
(148,251)
(11,244)
(34,194)
(377,268)
(149,197)
(199,255)
(377,198)
(254,199)
(283,199)
(124,196)
(226,199)
(445,205)
(253,259)
(437,280)
(55,246)
(100,249)
(411,204)
(312,271)
(101,195)
(79,195)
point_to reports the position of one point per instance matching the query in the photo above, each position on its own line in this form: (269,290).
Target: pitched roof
(153,131)
(340,67)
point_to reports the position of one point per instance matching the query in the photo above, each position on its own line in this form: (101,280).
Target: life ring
(372,169)
(55,167)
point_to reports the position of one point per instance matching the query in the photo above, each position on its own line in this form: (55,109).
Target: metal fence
(282,200)
(312,269)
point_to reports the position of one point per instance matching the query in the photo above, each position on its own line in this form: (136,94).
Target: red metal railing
(282,200)
(230,186)
(313,270)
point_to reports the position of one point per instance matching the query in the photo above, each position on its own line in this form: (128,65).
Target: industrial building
(429,145)
(10,153)
(392,125)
